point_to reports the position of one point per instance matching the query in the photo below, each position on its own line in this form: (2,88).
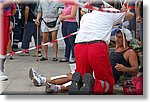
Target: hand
(25,22)
(61,18)
(124,9)
(120,67)
(138,19)
(37,22)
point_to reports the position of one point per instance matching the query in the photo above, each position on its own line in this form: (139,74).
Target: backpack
(134,86)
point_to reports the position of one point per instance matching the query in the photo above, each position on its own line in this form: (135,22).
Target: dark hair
(119,31)
(96,3)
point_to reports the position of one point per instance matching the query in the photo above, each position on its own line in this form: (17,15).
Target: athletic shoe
(32,73)
(76,84)
(72,61)
(88,83)
(64,60)
(52,88)
(38,79)
(3,77)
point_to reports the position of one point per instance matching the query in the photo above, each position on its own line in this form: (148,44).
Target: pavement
(17,71)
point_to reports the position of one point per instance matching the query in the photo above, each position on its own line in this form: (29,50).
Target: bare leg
(45,40)
(61,80)
(55,44)
(9,47)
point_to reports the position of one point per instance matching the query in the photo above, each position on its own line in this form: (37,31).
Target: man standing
(7,10)
(30,28)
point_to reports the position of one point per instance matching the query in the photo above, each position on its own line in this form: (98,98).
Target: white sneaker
(72,61)
(3,77)
(39,80)
(32,73)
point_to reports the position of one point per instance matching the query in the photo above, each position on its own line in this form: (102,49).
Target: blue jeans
(17,34)
(30,29)
(68,28)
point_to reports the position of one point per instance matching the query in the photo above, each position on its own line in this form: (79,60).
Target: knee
(69,76)
(45,40)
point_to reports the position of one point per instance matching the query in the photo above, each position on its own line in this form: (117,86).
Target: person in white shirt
(91,51)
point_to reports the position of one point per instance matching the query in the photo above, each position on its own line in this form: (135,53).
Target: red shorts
(4,34)
(94,58)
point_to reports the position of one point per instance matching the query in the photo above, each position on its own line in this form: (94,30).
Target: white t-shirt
(98,25)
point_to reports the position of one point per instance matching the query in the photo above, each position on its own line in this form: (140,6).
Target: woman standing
(69,25)
(49,11)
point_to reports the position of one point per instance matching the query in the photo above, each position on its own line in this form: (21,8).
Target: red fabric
(135,87)
(138,84)
(10,11)
(94,58)
(4,34)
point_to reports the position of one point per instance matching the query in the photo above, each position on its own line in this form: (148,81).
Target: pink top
(67,11)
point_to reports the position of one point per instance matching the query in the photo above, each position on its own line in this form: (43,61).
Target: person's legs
(17,34)
(59,80)
(81,56)
(99,61)
(45,40)
(40,79)
(54,88)
(102,87)
(55,44)
(9,49)
(4,38)
(68,46)
(28,32)
(72,27)
(82,67)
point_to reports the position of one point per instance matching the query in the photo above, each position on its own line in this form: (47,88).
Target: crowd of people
(97,69)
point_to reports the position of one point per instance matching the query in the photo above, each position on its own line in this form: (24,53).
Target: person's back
(97,25)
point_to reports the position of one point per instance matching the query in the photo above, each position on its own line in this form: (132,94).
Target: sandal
(54,59)
(43,59)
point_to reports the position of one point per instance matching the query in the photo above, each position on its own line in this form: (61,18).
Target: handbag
(50,24)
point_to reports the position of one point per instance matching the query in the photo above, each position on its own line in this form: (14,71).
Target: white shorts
(45,28)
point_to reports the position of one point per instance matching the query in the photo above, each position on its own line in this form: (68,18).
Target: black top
(117,57)
(31,11)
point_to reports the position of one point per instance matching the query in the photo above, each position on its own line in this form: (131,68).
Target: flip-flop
(43,59)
